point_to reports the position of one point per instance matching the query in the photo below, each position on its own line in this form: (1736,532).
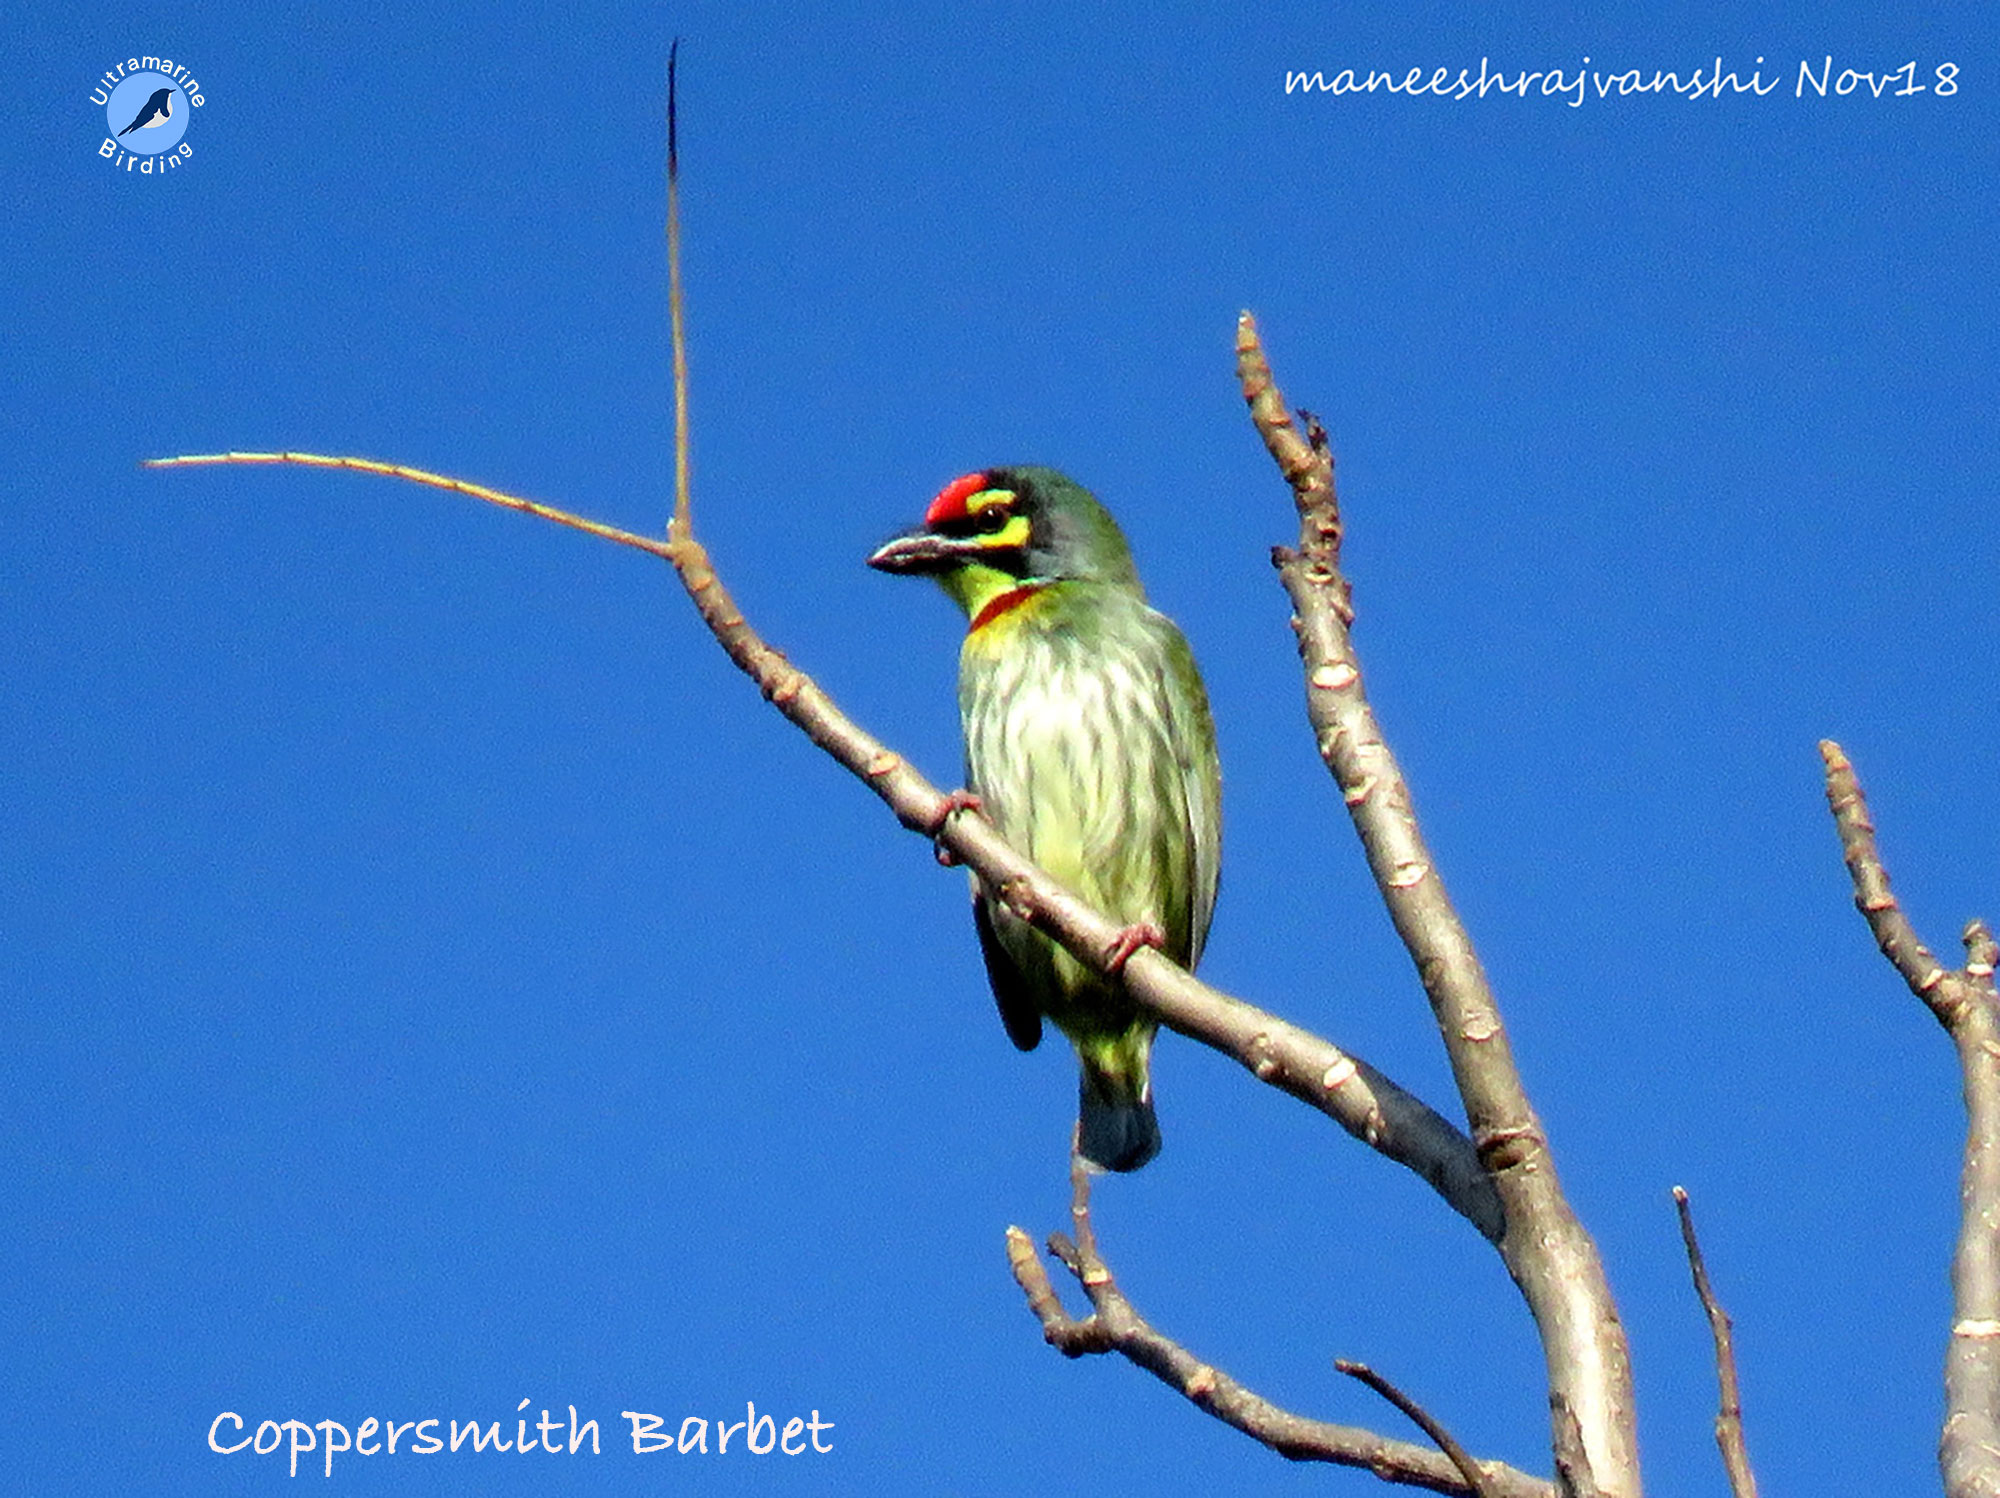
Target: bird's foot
(954,801)
(1128,941)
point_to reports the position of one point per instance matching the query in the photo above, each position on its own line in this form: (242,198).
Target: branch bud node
(1341,1072)
(1504,1149)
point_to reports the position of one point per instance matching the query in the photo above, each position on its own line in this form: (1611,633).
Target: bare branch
(1545,1248)
(1343,1086)
(1114,1325)
(1475,1477)
(1898,939)
(1729,1413)
(1964,1003)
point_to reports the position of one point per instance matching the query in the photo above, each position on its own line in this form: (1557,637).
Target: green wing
(1193,735)
(1018,1010)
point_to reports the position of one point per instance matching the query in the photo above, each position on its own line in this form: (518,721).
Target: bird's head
(990,533)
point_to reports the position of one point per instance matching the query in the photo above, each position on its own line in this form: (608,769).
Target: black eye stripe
(989,520)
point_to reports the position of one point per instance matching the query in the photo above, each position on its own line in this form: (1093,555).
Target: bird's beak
(921,551)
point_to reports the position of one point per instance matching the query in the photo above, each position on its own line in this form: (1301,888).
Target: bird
(1090,746)
(159,109)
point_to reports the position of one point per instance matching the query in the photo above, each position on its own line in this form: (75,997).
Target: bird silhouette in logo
(159,109)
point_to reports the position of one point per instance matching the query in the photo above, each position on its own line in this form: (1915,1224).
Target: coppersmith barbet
(1088,742)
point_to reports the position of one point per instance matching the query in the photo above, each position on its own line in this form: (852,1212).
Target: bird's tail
(1116,1126)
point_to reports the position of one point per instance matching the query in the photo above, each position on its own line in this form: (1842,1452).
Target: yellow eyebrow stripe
(1013,533)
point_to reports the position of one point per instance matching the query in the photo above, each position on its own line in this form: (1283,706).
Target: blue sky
(430,978)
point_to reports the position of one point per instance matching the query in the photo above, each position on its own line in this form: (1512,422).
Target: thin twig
(1545,1247)
(1115,1325)
(681,526)
(431,480)
(1475,1476)
(1963,1001)
(1079,1211)
(1729,1409)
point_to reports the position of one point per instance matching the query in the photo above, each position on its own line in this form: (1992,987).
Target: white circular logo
(148,103)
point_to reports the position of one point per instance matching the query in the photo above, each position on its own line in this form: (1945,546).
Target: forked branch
(1963,1001)
(1115,1325)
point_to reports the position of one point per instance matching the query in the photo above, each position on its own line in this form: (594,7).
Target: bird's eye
(994,518)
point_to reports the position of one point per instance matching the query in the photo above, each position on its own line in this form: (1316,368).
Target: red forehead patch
(950,503)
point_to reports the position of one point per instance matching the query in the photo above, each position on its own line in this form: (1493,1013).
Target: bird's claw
(1128,941)
(954,801)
